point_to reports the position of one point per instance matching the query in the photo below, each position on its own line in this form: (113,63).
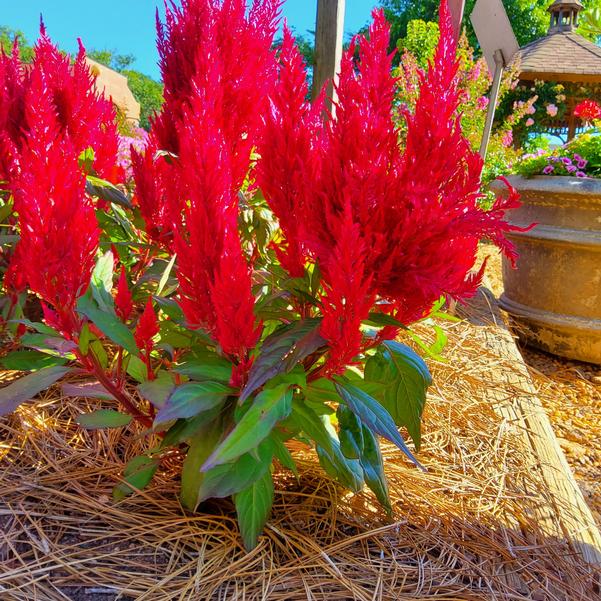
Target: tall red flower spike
(147,328)
(217,84)
(382,223)
(290,124)
(59,233)
(87,117)
(124,305)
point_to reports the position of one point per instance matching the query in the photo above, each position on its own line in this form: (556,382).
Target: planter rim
(556,184)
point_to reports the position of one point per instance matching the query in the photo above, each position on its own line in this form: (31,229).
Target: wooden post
(328,45)
(492,102)
(456,8)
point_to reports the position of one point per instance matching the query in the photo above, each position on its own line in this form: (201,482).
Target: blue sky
(127,26)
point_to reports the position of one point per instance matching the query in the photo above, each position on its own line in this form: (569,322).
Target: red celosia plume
(147,328)
(124,305)
(59,233)
(383,223)
(216,89)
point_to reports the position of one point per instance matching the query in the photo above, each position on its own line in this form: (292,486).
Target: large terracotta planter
(554,295)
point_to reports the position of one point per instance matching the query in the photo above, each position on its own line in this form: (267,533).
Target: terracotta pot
(554,295)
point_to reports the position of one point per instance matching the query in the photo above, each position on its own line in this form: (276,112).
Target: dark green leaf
(347,471)
(106,191)
(27,387)
(157,391)
(42,328)
(103,418)
(268,408)
(137,474)
(108,323)
(136,368)
(201,446)
(282,454)
(381,320)
(253,506)
(306,420)
(192,398)
(373,469)
(350,433)
(398,378)
(281,351)
(30,360)
(206,367)
(224,480)
(373,415)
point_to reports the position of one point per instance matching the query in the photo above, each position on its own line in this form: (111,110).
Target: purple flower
(566,160)
(581,174)
(553,159)
(548,170)
(571,168)
(582,163)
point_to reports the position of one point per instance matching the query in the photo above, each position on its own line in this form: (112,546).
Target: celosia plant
(254,292)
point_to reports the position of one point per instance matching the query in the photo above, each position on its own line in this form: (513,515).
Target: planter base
(565,335)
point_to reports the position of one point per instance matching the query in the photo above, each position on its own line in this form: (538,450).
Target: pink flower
(531,110)
(482,103)
(552,110)
(529,122)
(507,139)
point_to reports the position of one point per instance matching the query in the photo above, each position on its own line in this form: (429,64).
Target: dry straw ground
(462,531)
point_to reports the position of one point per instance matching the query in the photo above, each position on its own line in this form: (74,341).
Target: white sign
(494,31)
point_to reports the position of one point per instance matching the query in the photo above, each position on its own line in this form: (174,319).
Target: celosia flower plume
(59,233)
(383,223)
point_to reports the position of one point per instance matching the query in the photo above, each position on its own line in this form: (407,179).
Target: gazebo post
(328,46)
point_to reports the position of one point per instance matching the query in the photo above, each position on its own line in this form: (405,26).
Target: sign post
(328,45)
(499,45)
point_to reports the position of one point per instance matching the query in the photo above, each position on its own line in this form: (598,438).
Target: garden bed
(466,529)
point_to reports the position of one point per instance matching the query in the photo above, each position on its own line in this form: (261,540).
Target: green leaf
(307,421)
(25,388)
(108,323)
(253,506)
(42,328)
(192,398)
(137,474)
(136,368)
(347,471)
(373,415)
(282,454)
(281,351)
(103,418)
(157,391)
(106,191)
(381,320)
(30,360)
(398,378)
(268,408)
(102,281)
(373,469)
(224,480)
(201,446)
(165,277)
(84,339)
(350,433)
(206,367)
(89,390)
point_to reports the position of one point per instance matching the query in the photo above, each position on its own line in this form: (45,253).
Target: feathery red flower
(124,305)
(382,223)
(59,233)
(147,329)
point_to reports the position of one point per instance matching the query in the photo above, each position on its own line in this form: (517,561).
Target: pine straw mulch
(571,394)
(462,531)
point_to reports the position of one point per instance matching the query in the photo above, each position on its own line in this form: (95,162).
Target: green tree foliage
(7,39)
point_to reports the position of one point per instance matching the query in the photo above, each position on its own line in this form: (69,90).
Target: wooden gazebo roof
(561,56)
